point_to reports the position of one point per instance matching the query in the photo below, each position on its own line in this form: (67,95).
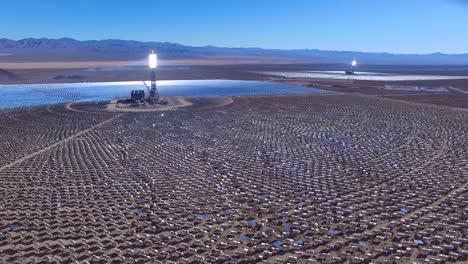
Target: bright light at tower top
(354,63)
(153,60)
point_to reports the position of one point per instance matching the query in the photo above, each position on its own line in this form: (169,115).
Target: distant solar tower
(153,63)
(353,68)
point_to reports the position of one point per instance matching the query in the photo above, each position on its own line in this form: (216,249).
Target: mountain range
(67,49)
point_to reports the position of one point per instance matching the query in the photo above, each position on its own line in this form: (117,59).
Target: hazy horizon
(233,47)
(401,27)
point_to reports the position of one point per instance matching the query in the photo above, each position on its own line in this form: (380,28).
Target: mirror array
(27,95)
(324,179)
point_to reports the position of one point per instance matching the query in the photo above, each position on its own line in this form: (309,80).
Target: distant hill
(7,76)
(66,49)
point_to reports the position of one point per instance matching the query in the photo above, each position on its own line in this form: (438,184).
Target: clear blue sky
(399,26)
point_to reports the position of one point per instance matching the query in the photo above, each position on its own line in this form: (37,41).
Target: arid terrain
(248,69)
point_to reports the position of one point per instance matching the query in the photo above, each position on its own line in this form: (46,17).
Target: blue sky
(398,26)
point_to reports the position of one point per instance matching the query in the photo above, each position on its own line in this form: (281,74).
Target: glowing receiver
(153,61)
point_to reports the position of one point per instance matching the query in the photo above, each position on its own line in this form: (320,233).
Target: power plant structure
(153,93)
(138,96)
(353,66)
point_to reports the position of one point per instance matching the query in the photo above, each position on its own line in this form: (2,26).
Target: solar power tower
(153,64)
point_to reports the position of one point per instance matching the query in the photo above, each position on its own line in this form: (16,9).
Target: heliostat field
(311,178)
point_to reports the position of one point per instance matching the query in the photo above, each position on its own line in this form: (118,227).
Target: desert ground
(248,69)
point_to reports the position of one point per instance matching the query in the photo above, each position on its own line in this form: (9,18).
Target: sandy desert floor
(222,68)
